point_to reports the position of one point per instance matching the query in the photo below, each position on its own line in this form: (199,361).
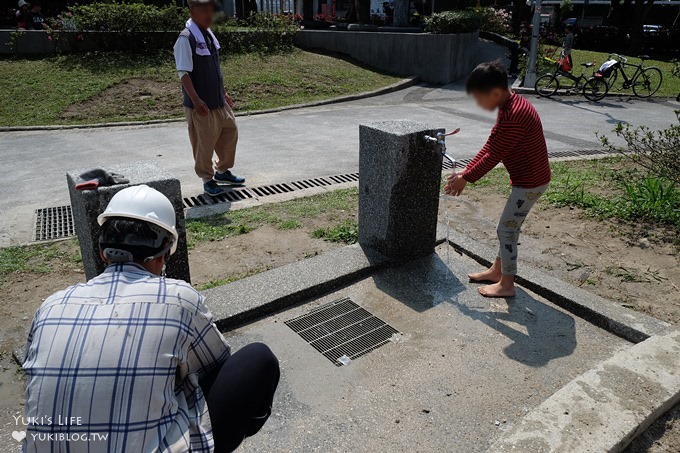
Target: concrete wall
(435,58)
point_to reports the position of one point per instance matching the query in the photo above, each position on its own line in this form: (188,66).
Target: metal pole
(530,77)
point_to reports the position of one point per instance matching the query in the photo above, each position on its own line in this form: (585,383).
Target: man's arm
(185,64)
(208,348)
(200,106)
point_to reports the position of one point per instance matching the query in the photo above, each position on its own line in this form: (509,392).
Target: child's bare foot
(489,275)
(500,289)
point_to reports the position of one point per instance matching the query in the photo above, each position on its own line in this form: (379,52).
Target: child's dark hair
(487,76)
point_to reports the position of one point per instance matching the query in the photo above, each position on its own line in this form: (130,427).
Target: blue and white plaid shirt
(113,365)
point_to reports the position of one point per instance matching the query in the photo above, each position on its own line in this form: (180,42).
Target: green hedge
(447,22)
(134,17)
(146,27)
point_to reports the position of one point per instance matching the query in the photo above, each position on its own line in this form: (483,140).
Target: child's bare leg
(504,288)
(504,269)
(492,274)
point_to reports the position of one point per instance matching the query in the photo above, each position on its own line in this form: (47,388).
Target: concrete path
(465,370)
(283,146)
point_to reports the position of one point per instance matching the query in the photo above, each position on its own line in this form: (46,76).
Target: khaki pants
(216,132)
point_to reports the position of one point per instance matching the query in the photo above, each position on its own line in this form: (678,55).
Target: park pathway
(284,146)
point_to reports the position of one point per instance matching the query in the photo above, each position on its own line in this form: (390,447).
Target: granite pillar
(88,204)
(399,184)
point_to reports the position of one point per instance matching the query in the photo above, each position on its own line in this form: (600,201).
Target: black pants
(240,395)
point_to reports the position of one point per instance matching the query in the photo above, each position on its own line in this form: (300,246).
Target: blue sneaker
(212,188)
(229,178)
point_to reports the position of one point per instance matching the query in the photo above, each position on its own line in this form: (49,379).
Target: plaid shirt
(113,365)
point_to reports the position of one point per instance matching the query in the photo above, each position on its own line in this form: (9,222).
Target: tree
(630,16)
(642,9)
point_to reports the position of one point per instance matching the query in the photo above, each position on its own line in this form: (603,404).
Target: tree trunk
(308,10)
(637,34)
(363,10)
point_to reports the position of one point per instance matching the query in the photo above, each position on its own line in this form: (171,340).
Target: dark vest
(206,76)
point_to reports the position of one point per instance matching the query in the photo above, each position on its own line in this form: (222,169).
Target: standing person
(517,140)
(208,107)
(132,361)
(34,17)
(568,44)
(22,11)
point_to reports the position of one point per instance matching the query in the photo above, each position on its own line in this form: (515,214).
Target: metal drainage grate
(342,331)
(53,223)
(243,193)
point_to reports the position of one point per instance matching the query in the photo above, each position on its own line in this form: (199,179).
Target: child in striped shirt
(518,142)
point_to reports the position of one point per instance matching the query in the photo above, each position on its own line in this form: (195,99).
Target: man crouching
(132,361)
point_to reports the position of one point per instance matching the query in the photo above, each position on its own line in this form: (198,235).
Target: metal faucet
(440,140)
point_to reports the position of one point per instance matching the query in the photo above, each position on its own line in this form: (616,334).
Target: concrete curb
(404,83)
(627,324)
(262,294)
(605,408)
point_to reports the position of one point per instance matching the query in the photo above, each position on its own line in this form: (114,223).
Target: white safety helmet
(143,203)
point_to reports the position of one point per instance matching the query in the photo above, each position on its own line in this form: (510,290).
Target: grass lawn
(329,216)
(669,88)
(116,86)
(287,215)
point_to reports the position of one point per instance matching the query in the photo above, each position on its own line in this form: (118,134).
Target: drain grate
(57,222)
(342,330)
(242,193)
(53,223)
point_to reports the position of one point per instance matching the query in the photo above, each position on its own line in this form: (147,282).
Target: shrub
(448,22)
(134,23)
(566,9)
(545,62)
(135,17)
(657,151)
(495,20)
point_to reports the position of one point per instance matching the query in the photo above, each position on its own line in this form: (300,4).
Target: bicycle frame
(628,81)
(578,81)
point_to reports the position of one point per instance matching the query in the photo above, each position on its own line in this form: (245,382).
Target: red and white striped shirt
(517,140)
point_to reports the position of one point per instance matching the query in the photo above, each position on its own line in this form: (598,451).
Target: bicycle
(593,88)
(645,81)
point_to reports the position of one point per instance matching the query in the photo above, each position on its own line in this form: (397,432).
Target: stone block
(399,183)
(88,204)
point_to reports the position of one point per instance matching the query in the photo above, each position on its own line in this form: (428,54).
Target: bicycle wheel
(595,89)
(647,82)
(547,85)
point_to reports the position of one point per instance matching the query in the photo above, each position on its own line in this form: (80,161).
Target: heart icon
(19,435)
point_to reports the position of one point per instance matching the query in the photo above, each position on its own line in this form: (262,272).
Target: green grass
(39,91)
(284,216)
(669,88)
(346,232)
(610,188)
(37,258)
(225,281)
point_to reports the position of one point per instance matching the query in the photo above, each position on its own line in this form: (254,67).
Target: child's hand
(456,185)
